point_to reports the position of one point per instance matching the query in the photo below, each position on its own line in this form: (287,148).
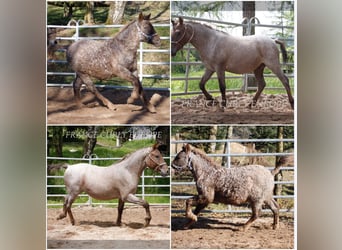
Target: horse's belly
(102,194)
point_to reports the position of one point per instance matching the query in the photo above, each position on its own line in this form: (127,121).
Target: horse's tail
(281,161)
(283,50)
(57,166)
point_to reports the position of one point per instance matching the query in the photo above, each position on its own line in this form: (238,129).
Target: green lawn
(178,86)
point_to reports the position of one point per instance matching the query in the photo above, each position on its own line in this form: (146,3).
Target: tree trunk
(248,11)
(90,142)
(57,140)
(212,136)
(116,12)
(89,15)
(280,149)
(229,135)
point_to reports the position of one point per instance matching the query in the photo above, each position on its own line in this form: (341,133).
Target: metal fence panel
(230,208)
(143,186)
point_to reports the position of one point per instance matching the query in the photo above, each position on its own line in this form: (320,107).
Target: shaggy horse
(252,184)
(114,57)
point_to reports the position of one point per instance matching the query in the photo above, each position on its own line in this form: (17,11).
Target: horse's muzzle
(155,40)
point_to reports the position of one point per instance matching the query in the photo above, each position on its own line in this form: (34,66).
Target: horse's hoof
(111,107)
(61,216)
(147,222)
(151,108)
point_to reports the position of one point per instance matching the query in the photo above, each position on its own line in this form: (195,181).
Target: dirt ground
(216,231)
(62,108)
(95,228)
(270,109)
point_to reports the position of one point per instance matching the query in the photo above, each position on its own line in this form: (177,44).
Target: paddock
(153,67)
(217,224)
(95,228)
(187,70)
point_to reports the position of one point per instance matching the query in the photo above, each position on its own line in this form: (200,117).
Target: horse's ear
(180,20)
(156,146)
(147,17)
(187,148)
(141,17)
(173,23)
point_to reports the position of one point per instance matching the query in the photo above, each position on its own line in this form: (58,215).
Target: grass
(105,149)
(178,86)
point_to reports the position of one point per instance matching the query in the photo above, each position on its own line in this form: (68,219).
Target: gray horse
(252,184)
(222,52)
(114,57)
(119,180)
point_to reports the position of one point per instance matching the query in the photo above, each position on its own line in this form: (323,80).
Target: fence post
(140,62)
(143,185)
(187,68)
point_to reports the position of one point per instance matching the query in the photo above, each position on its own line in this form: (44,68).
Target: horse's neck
(201,167)
(201,36)
(128,37)
(136,162)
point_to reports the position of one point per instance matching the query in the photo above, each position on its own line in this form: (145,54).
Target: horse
(252,184)
(222,52)
(119,180)
(114,57)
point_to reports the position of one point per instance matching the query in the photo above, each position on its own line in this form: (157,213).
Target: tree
(116,12)
(280,149)
(90,141)
(248,11)
(89,15)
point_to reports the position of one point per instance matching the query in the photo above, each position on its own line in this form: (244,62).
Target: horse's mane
(130,154)
(208,26)
(126,26)
(206,158)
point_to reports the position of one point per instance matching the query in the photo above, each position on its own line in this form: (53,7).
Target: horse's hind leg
(256,209)
(133,199)
(120,210)
(91,87)
(259,75)
(67,209)
(273,205)
(283,78)
(77,84)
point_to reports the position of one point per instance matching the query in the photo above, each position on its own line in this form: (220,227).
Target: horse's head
(181,35)
(155,161)
(182,161)
(146,31)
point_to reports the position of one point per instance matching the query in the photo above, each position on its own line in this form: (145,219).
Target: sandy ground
(270,109)
(215,231)
(95,228)
(62,108)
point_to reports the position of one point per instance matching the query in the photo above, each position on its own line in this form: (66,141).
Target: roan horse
(252,184)
(114,57)
(222,52)
(119,180)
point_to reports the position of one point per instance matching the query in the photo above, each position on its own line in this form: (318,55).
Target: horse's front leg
(133,199)
(120,210)
(207,74)
(91,87)
(222,84)
(200,202)
(137,92)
